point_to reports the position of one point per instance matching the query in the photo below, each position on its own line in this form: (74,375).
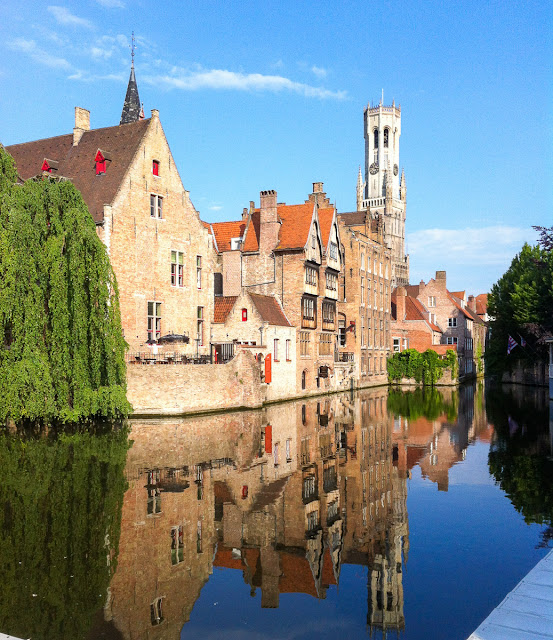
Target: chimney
(318,195)
(245,213)
(82,124)
(317,187)
(472,303)
(401,294)
(441,279)
(268,221)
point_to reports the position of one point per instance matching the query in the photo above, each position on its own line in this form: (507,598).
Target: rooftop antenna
(132,47)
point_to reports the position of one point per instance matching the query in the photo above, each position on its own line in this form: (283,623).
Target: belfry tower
(384,191)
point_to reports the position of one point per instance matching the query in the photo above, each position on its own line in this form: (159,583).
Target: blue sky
(270,95)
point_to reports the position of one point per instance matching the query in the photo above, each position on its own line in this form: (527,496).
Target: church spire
(131,106)
(360,190)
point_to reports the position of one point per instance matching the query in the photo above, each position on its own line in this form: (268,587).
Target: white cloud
(111,4)
(474,258)
(64,16)
(231,80)
(215,207)
(319,71)
(30,48)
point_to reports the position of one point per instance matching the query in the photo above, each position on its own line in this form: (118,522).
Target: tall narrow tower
(385,192)
(131,107)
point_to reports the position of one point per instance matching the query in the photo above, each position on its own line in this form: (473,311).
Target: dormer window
(49,165)
(155,167)
(101,160)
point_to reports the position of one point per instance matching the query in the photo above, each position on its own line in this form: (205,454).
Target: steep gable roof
(223,306)
(482,304)
(251,241)
(225,231)
(326,216)
(270,310)
(296,224)
(414,310)
(77,162)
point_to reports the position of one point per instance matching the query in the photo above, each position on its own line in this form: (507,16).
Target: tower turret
(360,190)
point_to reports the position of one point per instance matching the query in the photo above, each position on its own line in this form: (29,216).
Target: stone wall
(537,374)
(176,389)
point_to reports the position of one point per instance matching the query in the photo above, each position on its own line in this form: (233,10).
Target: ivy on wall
(425,367)
(62,351)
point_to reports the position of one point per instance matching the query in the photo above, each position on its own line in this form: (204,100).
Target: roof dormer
(101,159)
(49,165)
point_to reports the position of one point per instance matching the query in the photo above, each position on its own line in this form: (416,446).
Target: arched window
(375,139)
(386,133)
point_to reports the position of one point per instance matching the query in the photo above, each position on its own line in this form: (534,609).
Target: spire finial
(132,47)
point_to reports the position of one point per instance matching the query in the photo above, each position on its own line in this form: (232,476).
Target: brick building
(412,326)
(461,327)
(364,309)
(291,252)
(161,253)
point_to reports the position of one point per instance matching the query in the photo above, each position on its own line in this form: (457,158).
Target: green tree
(425,367)
(62,351)
(521,303)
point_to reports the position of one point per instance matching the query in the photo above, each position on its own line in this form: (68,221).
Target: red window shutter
(45,166)
(155,168)
(244,315)
(100,167)
(268,368)
(244,491)
(99,157)
(269,439)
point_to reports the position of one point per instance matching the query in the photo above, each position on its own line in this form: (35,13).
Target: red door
(268,368)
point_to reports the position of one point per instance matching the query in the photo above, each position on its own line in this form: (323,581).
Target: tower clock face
(396,169)
(373,168)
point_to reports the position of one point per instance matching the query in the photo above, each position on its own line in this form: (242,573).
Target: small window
(200,334)
(396,344)
(154,321)
(288,354)
(156,612)
(177,545)
(155,167)
(431,301)
(386,136)
(199,272)
(333,251)
(156,206)
(244,315)
(375,138)
(177,269)
(452,322)
(275,350)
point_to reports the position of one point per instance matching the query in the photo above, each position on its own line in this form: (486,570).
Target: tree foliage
(60,520)
(62,352)
(521,304)
(425,367)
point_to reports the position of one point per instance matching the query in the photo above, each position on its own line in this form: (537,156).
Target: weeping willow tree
(62,357)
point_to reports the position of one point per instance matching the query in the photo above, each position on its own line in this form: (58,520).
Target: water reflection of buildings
(286,496)
(437,443)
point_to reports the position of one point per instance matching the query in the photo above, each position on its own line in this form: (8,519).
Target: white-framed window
(452,322)
(311,276)
(333,251)
(154,321)
(362,262)
(451,340)
(288,450)
(275,349)
(200,326)
(362,290)
(156,206)
(431,301)
(331,281)
(288,353)
(199,272)
(308,309)
(276,453)
(177,269)
(396,344)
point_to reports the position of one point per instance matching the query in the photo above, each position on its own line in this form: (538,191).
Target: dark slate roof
(270,310)
(120,143)
(131,106)
(353,218)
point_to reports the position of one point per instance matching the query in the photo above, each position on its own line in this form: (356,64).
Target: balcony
(344,356)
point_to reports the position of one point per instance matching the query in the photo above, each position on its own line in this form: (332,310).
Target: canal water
(377,514)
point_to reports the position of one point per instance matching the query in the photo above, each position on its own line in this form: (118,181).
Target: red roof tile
(296,223)
(270,310)
(414,310)
(223,306)
(251,242)
(325,220)
(482,304)
(225,231)
(76,163)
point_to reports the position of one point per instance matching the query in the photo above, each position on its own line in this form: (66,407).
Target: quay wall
(178,389)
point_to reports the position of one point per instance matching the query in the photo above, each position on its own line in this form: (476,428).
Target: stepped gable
(270,310)
(77,163)
(223,306)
